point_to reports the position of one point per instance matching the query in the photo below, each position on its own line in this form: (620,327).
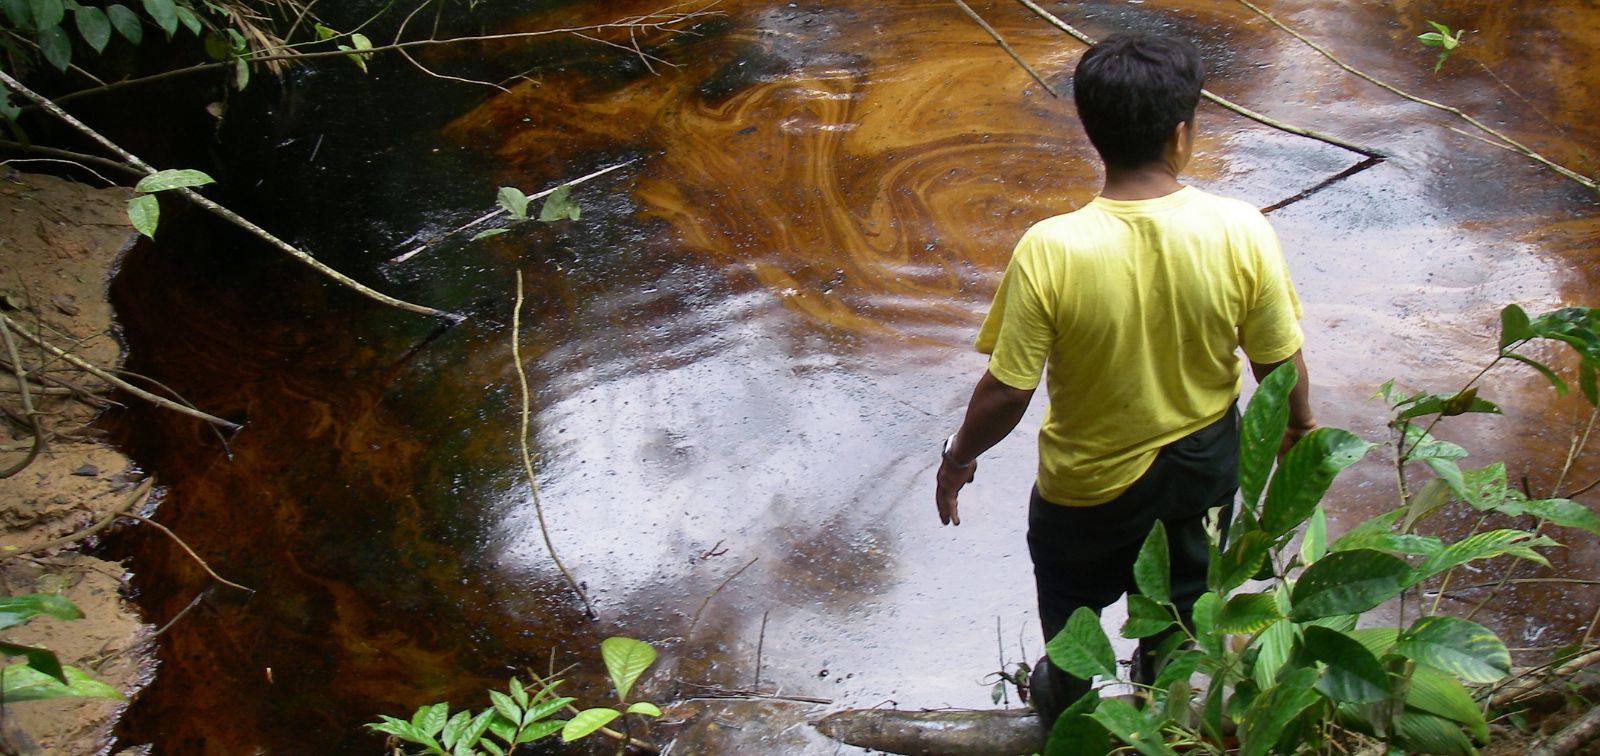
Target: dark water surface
(750,345)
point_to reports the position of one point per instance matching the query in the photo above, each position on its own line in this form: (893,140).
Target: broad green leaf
(1130,727)
(544,709)
(1314,545)
(126,22)
(1433,495)
(56,46)
(1274,710)
(518,693)
(355,57)
(1305,474)
(1348,582)
(164,13)
(1273,647)
(1145,617)
(505,707)
(586,722)
(1362,535)
(476,728)
(42,659)
(1152,571)
(360,42)
(1544,370)
(1248,613)
(1507,542)
(396,727)
(502,728)
(18,13)
(1207,613)
(559,206)
(144,212)
(1420,445)
(453,728)
(46,13)
(541,730)
(1449,472)
(20,682)
(189,20)
(1378,640)
(1514,326)
(1588,385)
(1465,649)
(514,201)
(324,33)
(180,178)
(1244,558)
(241,73)
(1081,649)
(1353,673)
(1485,488)
(1421,732)
(492,748)
(1563,512)
(15,610)
(1261,429)
(1181,666)
(1449,405)
(1440,694)
(626,659)
(429,720)
(1404,545)
(1075,732)
(645,708)
(488,233)
(93,25)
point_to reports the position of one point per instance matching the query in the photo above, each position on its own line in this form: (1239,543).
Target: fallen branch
(1370,152)
(972,14)
(713,594)
(216,209)
(1530,681)
(527,458)
(1572,737)
(185,546)
(67,540)
(1510,144)
(118,382)
(716,692)
(69,155)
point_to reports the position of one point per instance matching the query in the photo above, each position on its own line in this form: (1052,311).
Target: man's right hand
(951,479)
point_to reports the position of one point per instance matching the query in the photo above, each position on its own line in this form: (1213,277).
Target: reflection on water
(750,346)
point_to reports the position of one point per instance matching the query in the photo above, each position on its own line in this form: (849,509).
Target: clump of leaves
(42,676)
(1442,38)
(517,716)
(558,205)
(144,210)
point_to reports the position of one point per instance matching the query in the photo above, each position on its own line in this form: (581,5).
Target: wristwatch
(945,454)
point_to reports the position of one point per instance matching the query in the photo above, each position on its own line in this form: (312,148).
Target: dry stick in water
(121,384)
(218,210)
(1370,152)
(185,547)
(723,584)
(1510,144)
(527,458)
(972,14)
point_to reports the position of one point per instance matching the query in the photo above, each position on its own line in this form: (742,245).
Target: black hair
(1132,90)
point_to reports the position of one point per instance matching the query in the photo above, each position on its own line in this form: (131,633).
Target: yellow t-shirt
(1138,308)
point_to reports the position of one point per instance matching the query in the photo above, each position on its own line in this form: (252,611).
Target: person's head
(1132,92)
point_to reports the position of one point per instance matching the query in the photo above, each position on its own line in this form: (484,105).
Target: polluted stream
(743,355)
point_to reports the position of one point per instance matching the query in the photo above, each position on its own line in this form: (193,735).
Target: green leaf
(1431,39)
(488,233)
(1305,474)
(46,13)
(1514,326)
(1517,543)
(20,682)
(1544,370)
(1465,649)
(559,206)
(626,659)
(1273,647)
(1378,640)
(1181,666)
(94,26)
(1081,649)
(241,74)
(1244,558)
(144,212)
(506,707)
(1314,545)
(1433,495)
(1152,571)
(1440,694)
(1075,732)
(1348,582)
(15,610)
(453,728)
(586,722)
(1449,405)
(646,708)
(1261,431)
(492,748)
(475,729)
(165,14)
(1207,612)
(360,41)
(1129,726)
(514,201)
(56,47)
(1563,512)
(354,57)
(1421,732)
(1354,673)
(1421,445)
(189,20)
(396,727)
(429,720)
(126,22)
(42,659)
(1588,385)
(18,13)
(502,728)
(544,709)
(541,730)
(1449,472)
(518,693)
(161,181)
(1145,617)
(324,33)
(1248,613)
(1273,711)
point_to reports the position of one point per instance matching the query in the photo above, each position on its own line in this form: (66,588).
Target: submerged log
(992,732)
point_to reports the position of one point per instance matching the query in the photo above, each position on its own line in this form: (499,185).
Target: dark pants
(1083,556)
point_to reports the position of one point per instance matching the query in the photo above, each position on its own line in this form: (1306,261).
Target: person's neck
(1140,183)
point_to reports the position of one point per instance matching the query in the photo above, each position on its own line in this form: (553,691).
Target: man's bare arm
(994,410)
(1301,420)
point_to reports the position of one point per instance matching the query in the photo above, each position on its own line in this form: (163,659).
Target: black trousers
(1083,556)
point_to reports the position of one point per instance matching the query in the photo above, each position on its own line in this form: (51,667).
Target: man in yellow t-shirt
(1137,303)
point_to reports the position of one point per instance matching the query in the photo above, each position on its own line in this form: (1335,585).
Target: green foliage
(1287,662)
(144,211)
(1442,38)
(517,716)
(42,676)
(558,205)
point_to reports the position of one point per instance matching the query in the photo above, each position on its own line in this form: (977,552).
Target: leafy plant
(1291,664)
(42,676)
(517,716)
(558,205)
(1442,38)
(144,211)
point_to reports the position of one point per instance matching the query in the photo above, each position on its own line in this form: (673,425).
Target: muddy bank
(59,243)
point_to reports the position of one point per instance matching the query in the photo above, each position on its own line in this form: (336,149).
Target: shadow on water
(750,344)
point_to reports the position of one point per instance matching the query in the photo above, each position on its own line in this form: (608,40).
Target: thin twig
(189,551)
(713,691)
(1520,148)
(1370,152)
(127,504)
(72,163)
(217,209)
(972,14)
(28,411)
(713,594)
(119,383)
(1512,689)
(527,457)
(761,642)
(194,602)
(430,72)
